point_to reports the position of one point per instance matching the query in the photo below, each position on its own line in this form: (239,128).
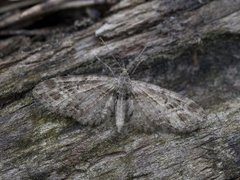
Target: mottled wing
(153,108)
(88,99)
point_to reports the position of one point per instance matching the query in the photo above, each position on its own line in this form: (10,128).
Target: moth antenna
(109,51)
(105,65)
(133,66)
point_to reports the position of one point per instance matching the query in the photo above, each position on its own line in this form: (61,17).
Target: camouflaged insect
(95,99)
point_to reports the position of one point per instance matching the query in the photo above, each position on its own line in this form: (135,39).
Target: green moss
(47,127)
(25,143)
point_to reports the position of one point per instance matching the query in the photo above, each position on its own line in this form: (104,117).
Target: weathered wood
(193,49)
(35,9)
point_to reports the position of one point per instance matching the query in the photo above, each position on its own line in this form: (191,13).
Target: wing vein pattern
(158,108)
(88,99)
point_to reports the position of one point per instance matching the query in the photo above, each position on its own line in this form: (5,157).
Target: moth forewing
(164,109)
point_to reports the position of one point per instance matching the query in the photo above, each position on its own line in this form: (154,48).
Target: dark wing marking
(88,99)
(153,108)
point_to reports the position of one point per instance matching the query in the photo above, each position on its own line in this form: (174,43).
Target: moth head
(125,72)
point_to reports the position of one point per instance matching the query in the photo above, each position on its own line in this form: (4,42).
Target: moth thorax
(124,84)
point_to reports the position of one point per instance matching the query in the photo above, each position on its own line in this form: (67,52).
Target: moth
(92,100)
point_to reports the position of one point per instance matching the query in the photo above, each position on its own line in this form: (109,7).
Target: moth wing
(152,108)
(87,99)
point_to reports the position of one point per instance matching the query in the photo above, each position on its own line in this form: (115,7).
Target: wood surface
(192,49)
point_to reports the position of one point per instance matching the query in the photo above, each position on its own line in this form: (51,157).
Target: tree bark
(192,48)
